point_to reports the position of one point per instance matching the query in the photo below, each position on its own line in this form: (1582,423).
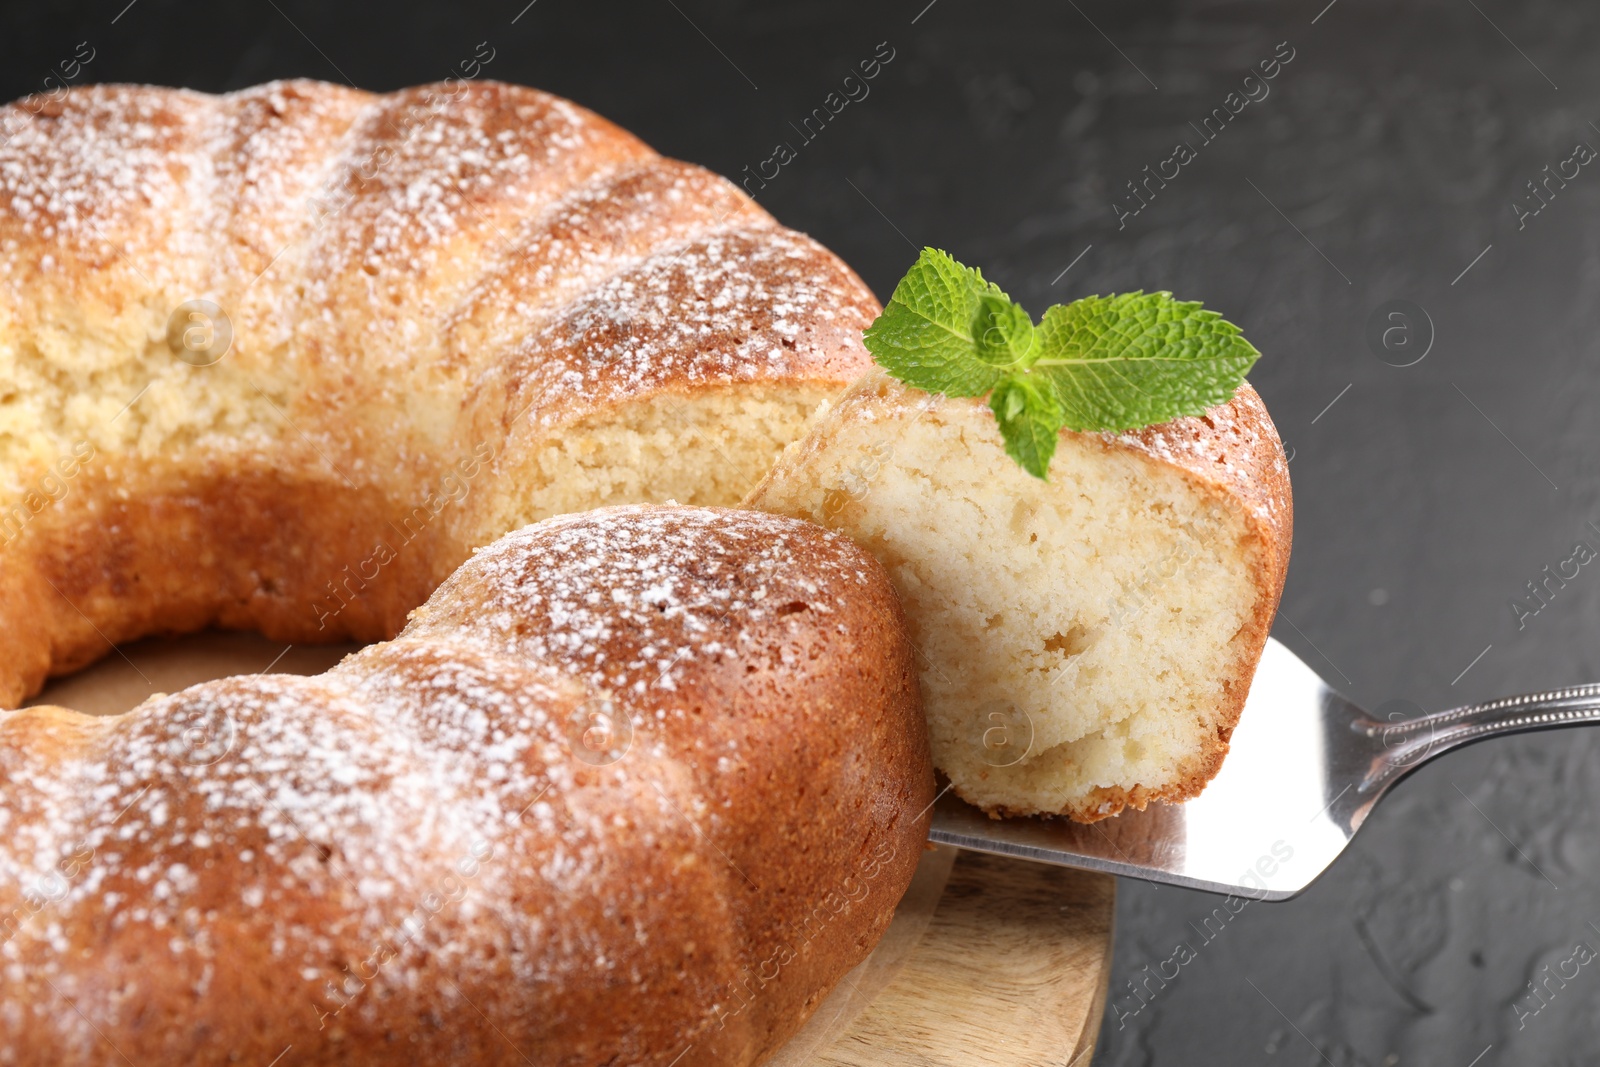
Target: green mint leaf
(946,330)
(1030,416)
(1136,359)
(1004,333)
(1103,363)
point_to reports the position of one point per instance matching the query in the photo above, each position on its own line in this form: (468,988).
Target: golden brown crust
(418,283)
(424,288)
(428,852)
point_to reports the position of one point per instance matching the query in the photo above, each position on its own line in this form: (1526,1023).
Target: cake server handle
(1408,744)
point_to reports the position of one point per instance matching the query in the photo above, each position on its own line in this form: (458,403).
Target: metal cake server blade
(1304,769)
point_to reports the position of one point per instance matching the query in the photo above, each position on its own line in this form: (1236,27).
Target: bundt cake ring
(636,786)
(280,359)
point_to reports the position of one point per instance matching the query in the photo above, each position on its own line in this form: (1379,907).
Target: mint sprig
(1103,363)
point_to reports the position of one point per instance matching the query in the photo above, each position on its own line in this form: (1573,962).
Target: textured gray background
(1383,162)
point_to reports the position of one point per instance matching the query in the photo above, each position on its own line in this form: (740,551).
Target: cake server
(1305,768)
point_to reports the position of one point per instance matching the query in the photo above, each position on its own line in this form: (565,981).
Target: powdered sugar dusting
(99,176)
(346,235)
(380,808)
(628,598)
(500,244)
(429,162)
(418,811)
(597,231)
(1233,443)
(734,307)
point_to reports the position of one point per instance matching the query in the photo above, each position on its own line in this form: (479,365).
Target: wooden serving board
(1009,970)
(989,962)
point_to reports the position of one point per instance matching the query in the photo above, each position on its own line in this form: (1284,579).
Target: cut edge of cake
(1087,642)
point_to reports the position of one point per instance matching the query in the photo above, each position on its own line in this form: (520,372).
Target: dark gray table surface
(1383,163)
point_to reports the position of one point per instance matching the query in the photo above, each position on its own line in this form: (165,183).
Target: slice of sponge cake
(1087,642)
